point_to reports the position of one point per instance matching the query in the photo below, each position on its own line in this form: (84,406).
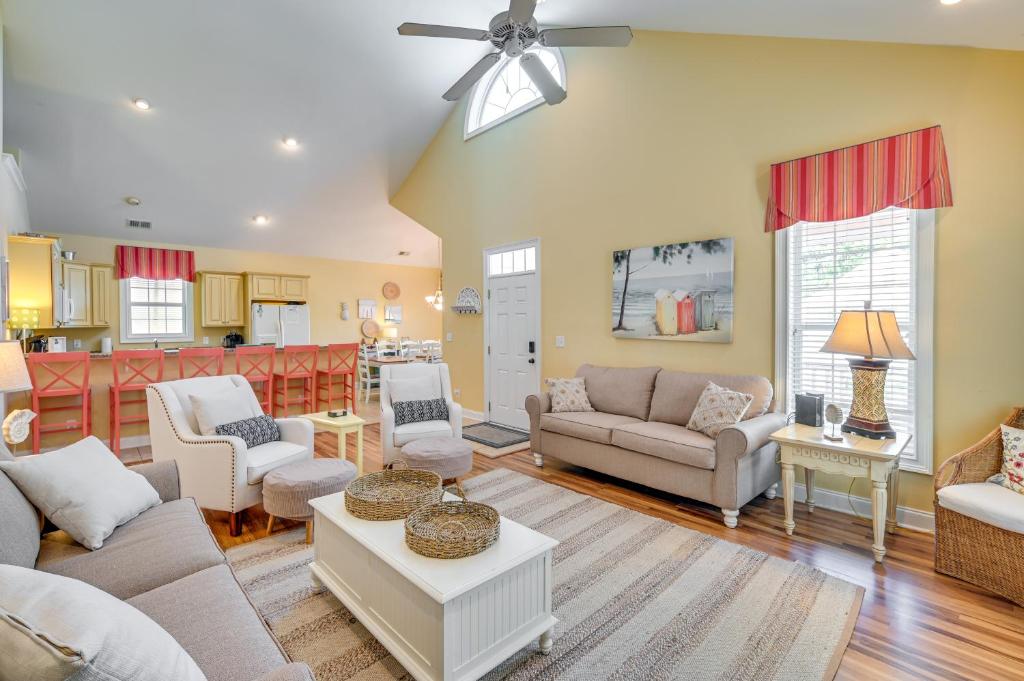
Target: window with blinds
(835,266)
(153,309)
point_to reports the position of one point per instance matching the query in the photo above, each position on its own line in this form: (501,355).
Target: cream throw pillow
(54,628)
(419,389)
(83,489)
(224,406)
(568,394)
(717,409)
(1011,475)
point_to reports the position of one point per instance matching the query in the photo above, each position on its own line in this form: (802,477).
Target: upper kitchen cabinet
(77,294)
(35,277)
(104,309)
(284,287)
(222,299)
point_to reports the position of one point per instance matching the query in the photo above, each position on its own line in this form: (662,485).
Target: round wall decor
(370,328)
(391,290)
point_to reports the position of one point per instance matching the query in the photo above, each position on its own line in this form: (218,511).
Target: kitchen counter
(167,351)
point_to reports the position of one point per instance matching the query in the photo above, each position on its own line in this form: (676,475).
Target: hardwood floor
(914,623)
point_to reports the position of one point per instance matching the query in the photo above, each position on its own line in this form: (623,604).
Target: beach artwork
(676,292)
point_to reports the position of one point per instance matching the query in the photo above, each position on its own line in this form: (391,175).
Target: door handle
(532,347)
(532,360)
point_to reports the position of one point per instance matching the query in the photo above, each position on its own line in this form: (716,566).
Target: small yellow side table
(342,425)
(855,456)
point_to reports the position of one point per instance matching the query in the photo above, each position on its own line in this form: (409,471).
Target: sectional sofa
(638,433)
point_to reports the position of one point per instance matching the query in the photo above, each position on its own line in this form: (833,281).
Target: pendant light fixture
(437,299)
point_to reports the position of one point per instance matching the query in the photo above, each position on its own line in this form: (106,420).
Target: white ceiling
(229,78)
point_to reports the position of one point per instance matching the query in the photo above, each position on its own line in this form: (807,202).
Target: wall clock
(391,290)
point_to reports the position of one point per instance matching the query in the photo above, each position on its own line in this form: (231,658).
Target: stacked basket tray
(392,494)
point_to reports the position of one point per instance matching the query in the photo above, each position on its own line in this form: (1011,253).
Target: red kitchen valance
(908,170)
(154,263)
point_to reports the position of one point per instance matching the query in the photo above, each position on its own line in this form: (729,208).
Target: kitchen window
(156,310)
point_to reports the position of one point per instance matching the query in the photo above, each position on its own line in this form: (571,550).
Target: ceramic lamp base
(868,416)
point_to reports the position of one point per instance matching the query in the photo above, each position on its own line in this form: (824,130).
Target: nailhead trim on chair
(188,443)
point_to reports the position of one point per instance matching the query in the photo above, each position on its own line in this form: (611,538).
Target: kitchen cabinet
(265,286)
(222,300)
(294,288)
(283,287)
(103,310)
(77,294)
(35,277)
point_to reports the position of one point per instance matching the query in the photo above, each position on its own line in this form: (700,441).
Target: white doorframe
(487,324)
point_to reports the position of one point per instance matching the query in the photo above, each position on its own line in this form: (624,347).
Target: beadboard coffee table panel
(442,619)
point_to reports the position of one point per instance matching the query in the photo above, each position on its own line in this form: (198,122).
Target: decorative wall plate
(370,328)
(391,290)
(468,302)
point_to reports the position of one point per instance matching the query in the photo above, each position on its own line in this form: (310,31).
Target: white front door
(512,322)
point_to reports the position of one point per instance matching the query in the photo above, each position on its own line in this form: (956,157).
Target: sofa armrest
(455,418)
(296,430)
(535,406)
(296,671)
(746,437)
(163,476)
(387,432)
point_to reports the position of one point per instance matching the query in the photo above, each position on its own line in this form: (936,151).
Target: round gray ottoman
(288,489)
(449,457)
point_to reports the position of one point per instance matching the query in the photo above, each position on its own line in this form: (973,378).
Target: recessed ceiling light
(141,104)
(290,143)
(950,2)
(260,220)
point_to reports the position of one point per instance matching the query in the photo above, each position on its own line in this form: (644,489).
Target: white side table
(855,456)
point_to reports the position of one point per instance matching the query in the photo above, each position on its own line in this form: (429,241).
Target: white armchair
(219,471)
(392,437)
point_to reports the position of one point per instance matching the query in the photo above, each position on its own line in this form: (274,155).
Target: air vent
(139,224)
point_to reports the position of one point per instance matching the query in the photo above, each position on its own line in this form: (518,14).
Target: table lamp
(391,332)
(875,336)
(14,378)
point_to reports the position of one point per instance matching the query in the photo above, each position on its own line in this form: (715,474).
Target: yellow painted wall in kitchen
(671,139)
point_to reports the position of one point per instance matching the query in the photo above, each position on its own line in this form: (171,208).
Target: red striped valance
(908,170)
(154,263)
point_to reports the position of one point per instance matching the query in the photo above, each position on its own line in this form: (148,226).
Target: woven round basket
(392,494)
(452,529)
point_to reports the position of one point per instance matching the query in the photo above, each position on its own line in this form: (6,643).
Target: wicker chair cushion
(991,504)
(449,457)
(288,489)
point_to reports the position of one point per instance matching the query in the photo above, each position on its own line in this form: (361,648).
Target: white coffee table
(442,619)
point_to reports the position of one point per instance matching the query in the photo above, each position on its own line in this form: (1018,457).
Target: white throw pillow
(83,489)
(53,627)
(415,389)
(717,409)
(568,395)
(224,406)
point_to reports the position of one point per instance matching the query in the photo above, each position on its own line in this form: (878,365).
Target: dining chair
(132,371)
(59,374)
(256,364)
(411,348)
(369,377)
(195,362)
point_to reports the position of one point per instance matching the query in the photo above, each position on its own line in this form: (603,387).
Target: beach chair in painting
(704,302)
(686,312)
(665,313)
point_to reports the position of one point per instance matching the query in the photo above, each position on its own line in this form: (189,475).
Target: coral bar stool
(299,364)
(256,364)
(133,371)
(342,359)
(60,374)
(194,362)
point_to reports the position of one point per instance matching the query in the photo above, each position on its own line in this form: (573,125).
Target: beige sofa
(638,433)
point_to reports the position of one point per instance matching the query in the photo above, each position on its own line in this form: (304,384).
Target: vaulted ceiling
(229,79)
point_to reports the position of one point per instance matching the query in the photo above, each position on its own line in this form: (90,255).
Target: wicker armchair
(969,549)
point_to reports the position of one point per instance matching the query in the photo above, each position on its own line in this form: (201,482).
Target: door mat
(493,435)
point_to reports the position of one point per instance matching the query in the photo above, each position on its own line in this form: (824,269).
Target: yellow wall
(331,283)
(671,139)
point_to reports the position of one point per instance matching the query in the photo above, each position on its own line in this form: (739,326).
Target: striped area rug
(637,598)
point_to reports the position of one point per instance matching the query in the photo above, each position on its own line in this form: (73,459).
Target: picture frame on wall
(393,314)
(367,308)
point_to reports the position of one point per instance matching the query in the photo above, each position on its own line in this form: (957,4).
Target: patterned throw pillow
(1011,476)
(717,409)
(413,411)
(568,394)
(259,430)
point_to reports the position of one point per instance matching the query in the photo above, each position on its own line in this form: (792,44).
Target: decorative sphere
(834,414)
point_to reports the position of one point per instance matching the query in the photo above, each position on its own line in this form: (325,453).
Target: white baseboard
(475,415)
(911,518)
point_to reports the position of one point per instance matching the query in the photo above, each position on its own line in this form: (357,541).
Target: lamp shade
(24,318)
(391,331)
(868,333)
(13,372)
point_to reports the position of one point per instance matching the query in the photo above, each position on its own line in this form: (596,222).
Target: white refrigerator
(280,324)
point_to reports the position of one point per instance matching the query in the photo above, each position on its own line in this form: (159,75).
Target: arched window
(506,91)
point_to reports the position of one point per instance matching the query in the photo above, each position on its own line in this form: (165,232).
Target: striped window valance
(907,171)
(154,263)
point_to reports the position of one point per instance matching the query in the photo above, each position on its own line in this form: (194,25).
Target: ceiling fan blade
(596,36)
(521,11)
(433,31)
(463,84)
(542,78)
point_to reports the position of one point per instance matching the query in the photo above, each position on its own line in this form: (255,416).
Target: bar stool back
(133,370)
(256,364)
(299,364)
(59,374)
(194,362)
(342,359)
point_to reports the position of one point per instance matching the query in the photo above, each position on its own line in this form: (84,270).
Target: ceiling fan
(514,31)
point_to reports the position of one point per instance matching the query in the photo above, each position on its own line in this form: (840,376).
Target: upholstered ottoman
(449,457)
(288,489)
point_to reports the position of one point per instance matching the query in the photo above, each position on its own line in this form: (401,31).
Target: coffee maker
(232,340)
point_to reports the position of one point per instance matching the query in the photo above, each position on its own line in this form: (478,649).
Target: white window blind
(835,266)
(156,309)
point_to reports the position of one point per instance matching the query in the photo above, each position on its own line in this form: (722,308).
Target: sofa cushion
(616,390)
(991,504)
(407,432)
(19,523)
(265,458)
(163,544)
(213,620)
(595,426)
(667,441)
(676,394)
